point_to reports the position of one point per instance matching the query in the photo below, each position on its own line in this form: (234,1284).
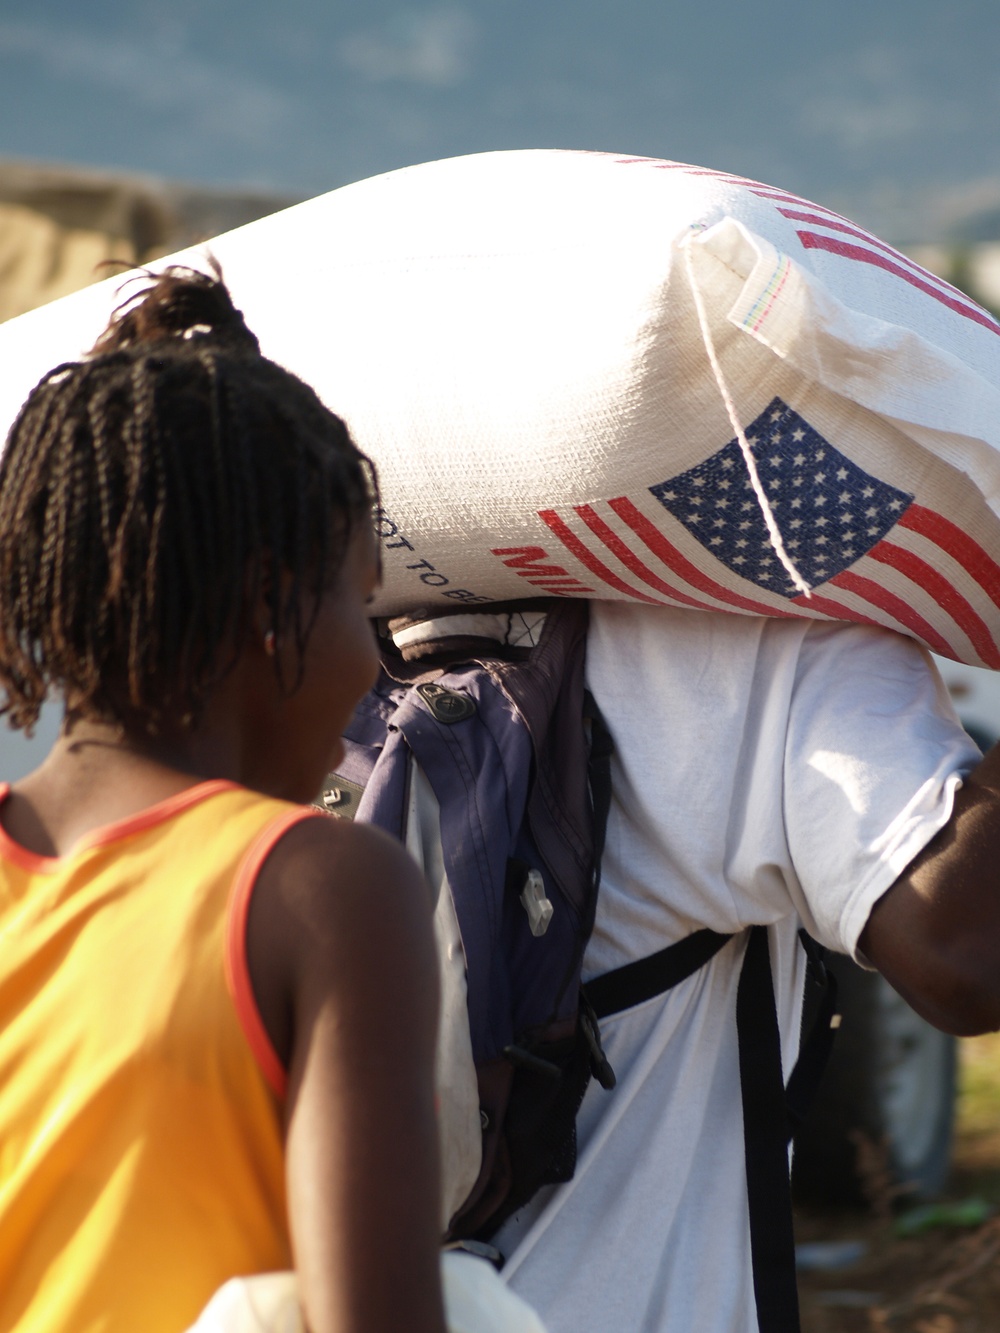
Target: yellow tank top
(141,1158)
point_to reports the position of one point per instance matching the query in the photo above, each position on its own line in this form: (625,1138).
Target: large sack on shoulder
(630,379)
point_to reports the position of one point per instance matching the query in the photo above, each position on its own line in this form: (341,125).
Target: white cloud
(433,49)
(161,76)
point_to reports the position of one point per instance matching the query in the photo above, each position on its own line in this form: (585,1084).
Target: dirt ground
(945,1279)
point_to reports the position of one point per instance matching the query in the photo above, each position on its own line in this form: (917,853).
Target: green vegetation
(977,1138)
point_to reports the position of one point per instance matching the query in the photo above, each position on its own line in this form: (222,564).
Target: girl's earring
(270,643)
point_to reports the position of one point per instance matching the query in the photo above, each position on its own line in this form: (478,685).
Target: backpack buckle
(599,1062)
(340,797)
(535,902)
(446,706)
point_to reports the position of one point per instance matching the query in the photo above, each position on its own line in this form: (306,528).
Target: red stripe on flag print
(958,544)
(872,592)
(813,241)
(714,175)
(628,558)
(835,610)
(947,597)
(797,215)
(645,162)
(672,558)
(576,547)
(782,197)
(665,164)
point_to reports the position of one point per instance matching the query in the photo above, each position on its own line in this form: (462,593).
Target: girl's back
(142,1144)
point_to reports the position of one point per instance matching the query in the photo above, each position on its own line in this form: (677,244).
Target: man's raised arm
(935,934)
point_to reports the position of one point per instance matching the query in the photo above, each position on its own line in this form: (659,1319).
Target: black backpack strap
(634,982)
(598,777)
(771,1111)
(818,1033)
(765,1135)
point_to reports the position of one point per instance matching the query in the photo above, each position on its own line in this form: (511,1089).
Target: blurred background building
(58,225)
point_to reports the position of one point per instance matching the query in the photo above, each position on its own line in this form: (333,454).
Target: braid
(149,495)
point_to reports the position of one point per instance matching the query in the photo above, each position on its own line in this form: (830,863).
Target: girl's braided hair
(150,495)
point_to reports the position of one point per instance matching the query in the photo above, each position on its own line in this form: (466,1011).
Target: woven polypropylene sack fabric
(515,339)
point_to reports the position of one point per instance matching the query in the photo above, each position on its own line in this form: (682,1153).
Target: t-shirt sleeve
(874,754)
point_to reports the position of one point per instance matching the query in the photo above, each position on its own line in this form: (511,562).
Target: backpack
(490,708)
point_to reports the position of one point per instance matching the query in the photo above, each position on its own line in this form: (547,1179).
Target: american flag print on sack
(830,512)
(842,527)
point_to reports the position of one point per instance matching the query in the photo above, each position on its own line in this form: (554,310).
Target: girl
(217,1006)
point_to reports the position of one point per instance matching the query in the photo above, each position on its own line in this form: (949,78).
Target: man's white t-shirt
(776,772)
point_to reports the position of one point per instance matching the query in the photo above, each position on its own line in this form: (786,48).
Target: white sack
(514,338)
(475,1300)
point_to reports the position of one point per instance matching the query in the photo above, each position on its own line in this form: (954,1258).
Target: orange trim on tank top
(108,833)
(236,964)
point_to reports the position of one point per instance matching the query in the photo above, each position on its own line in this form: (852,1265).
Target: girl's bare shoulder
(322,854)
(338,899)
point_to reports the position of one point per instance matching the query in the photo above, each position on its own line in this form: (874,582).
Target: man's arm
(935,934)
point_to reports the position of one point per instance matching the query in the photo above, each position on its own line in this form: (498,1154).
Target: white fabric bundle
(553,356)
(475,1298)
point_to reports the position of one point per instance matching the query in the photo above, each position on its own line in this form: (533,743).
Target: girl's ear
(270,587)
(261,590)
(263,617)
(260,597)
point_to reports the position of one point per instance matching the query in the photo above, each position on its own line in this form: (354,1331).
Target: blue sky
(877,105)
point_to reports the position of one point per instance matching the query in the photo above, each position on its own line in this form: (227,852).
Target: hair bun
(178,303)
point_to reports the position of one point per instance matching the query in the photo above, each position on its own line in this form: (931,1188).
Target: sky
(882,108)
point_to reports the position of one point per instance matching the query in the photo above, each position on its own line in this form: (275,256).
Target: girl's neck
(96,775)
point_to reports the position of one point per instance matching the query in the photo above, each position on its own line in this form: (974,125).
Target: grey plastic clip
(339,797)
(535,903)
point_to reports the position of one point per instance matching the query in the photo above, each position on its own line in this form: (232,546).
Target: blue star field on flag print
(829,511)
